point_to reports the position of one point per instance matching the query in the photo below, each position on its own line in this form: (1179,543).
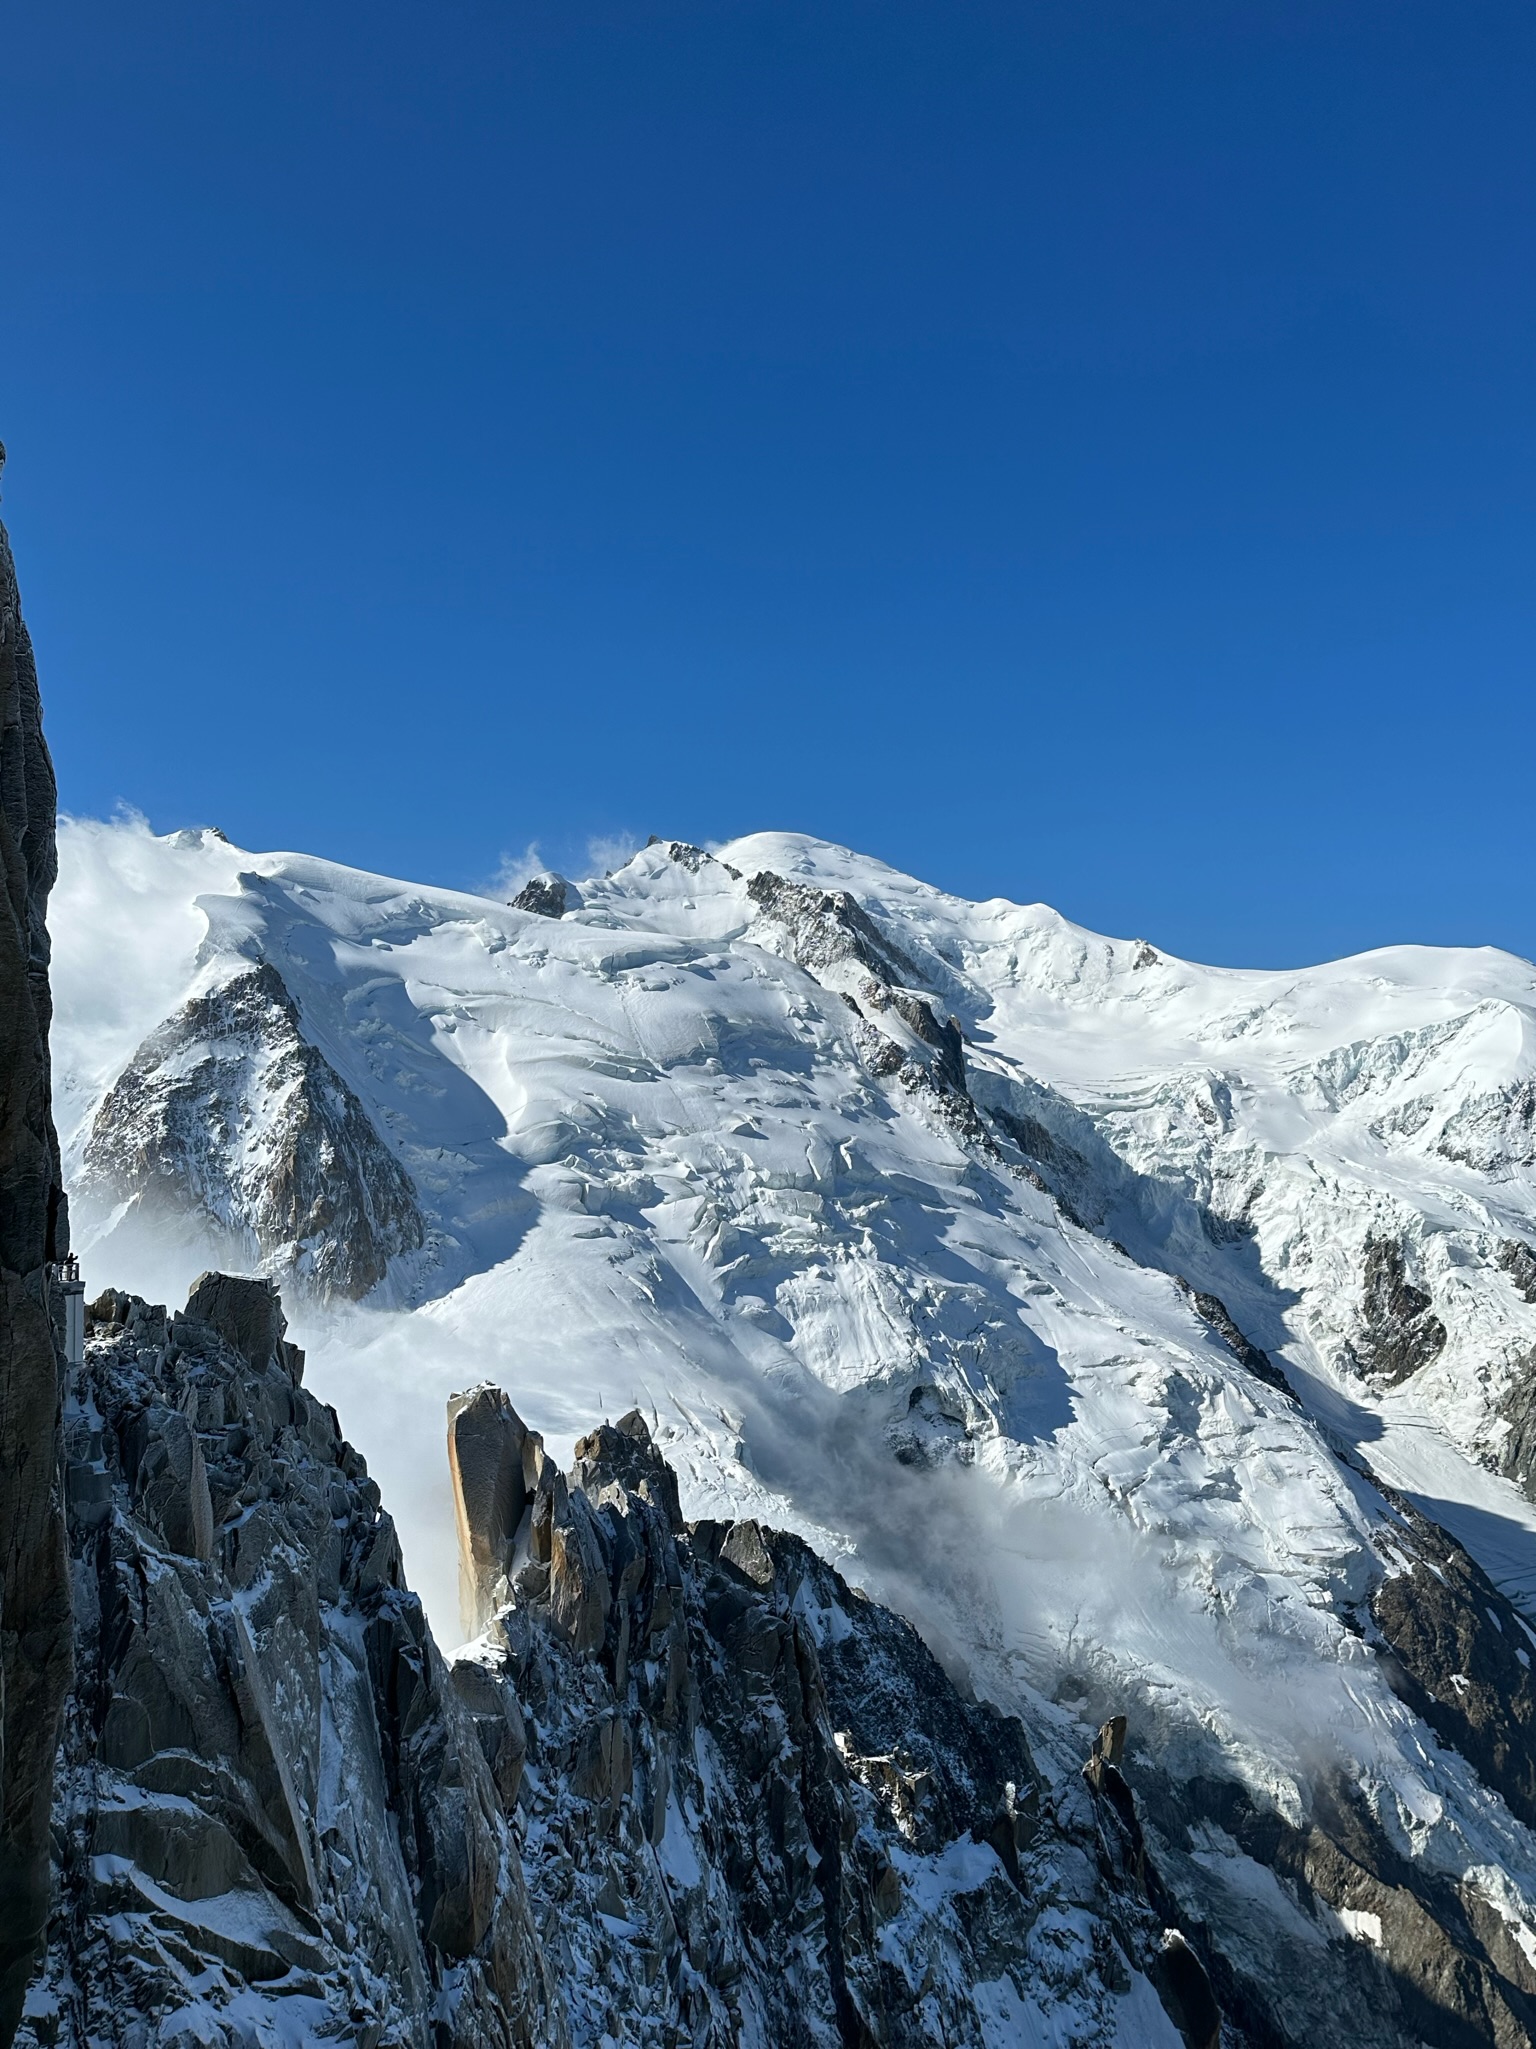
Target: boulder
(246,1311)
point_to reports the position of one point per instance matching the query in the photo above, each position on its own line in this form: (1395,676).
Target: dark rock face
(1517,1455)
(248,1315)
(228,1114)
(34,1586)
(547,896)
(686,855)
(1519,1262)
(1399,1953)
(1175,1968)
(1410,1957)
(275,1812)
(943,1035)
(1213,1311)
(744,1785)
(749,1804)
(1399,1332)
(687,1786)
(1052,1164)
(1462,1657)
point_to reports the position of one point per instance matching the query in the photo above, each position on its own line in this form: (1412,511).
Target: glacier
(1144,1332)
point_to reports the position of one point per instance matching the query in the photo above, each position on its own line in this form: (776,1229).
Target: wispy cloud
(599,855)
(607,851)
(512,871)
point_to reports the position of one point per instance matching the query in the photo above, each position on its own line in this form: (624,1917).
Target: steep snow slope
(975,1247)
(1275,1127)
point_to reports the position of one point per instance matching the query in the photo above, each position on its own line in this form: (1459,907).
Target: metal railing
(65,1283)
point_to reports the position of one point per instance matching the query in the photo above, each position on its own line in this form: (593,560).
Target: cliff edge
(34,1586)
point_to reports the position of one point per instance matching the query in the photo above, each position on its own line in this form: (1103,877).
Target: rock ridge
(34,1233)
(685,1786)
(274,1816)
(230,1116)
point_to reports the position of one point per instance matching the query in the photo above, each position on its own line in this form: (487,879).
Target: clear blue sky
(1079,451)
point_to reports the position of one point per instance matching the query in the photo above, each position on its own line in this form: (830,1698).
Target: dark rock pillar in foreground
(34,1586)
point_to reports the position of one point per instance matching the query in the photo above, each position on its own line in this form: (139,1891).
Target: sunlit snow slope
(1069,1293)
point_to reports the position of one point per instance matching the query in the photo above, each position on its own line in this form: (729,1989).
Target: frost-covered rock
(274,1819)
(754,1808)
(229,1117)
(546,895)
(1399,1331)
(687,1787)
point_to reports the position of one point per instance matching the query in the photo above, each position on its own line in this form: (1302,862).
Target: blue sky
(1074,451)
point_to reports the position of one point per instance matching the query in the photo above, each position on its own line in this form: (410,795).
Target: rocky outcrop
(1517,1408)
(1213,1311)
(494,1463)
(1173,1964)
(901,1030)
(547,896)
(1517,1404)
(229,1116)
(826,928)
(1361,1944)
(276,1817)
(686,1787)
(34,1587)
(1493,1134)
(1398,1331)
(756,1808)
(1461,1655)
(1519,1262)
(685,855)
(1057,1164)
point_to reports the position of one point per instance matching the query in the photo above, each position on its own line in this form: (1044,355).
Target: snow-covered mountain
(1161,1339)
